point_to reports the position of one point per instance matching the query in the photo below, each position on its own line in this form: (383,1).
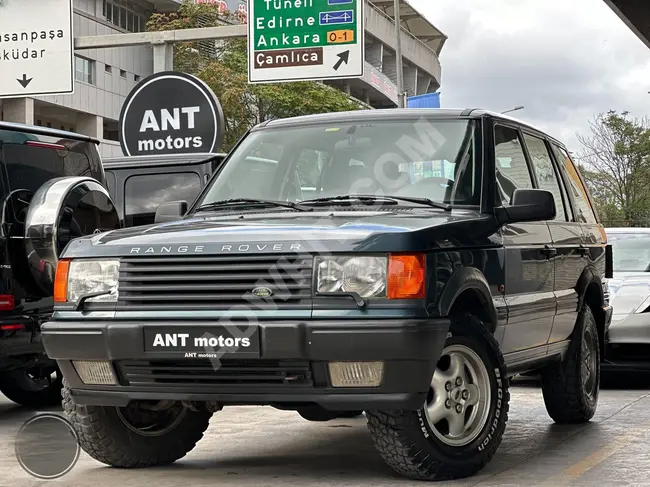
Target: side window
(584,211)
(143,193)
(544,171)
(512,170)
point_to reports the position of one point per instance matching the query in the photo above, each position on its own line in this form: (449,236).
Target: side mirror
(528,205)
(170,211)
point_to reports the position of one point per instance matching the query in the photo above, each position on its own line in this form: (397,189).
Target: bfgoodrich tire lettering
(106,438)
(571,387)
(407,441)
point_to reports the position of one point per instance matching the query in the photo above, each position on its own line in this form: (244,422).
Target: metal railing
(392,21)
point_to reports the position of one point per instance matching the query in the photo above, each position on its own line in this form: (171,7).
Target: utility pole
(401,102)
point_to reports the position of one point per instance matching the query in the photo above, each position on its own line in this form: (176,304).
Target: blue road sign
(338,2)
(338,17)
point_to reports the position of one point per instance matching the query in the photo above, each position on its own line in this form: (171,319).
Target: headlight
(391,277)
(366,276)
(77,278)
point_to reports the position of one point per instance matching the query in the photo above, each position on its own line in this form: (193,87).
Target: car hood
(367,231)
(629,291)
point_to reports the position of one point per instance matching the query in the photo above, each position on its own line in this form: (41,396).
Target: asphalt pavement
(261,446)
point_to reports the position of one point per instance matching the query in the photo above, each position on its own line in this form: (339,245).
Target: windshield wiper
(390,199)
(251,202)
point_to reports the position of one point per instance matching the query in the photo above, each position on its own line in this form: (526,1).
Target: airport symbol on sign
(298,40)
(36,49)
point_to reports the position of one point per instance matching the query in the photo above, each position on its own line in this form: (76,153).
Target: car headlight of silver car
(97,280)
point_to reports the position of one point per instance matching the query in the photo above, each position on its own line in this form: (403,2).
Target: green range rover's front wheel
(140,435)
(460,427)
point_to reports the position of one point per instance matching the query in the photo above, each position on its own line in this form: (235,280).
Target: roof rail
(467,112)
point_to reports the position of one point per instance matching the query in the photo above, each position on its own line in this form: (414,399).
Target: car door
(594,236)
(528,247)
(567,236)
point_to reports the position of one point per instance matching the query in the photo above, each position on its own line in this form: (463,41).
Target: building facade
(104,77)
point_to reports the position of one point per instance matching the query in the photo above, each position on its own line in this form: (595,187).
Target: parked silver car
(629,333)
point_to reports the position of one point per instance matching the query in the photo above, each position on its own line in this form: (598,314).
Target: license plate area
(203,342)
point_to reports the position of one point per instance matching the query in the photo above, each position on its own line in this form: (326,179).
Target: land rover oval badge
(262,292)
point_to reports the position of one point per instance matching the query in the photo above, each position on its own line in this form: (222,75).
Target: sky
(565,61)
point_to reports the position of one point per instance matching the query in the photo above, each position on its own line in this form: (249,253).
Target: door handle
(549,251)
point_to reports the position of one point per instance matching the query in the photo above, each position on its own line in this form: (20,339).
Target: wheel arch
(590,290)
(468,289)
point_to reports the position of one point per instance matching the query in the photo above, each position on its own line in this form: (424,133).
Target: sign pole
(398,56)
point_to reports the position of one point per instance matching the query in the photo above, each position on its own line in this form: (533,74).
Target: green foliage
(615,161)
(223,65)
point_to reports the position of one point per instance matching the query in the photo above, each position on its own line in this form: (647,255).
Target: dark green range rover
(405,263)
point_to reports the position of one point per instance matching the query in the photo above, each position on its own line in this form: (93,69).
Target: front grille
(214,282)
(228,372)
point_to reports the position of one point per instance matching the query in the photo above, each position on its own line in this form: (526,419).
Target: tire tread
(389,430)
(98,441)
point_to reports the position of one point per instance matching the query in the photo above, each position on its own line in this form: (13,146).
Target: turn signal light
(406,276)
(61,281)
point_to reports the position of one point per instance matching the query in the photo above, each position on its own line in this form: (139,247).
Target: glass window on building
(84,70)
(125,15)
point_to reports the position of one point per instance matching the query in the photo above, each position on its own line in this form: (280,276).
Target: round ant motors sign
(171,113)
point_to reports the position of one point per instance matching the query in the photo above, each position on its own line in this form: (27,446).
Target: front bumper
(628,343)
(288,366)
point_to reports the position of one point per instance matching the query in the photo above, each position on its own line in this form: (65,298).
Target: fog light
(95,373)
(356,374)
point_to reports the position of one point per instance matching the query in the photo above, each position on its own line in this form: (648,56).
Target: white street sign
(36,48)
(298,40)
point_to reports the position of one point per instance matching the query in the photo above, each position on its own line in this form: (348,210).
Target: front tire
(456,433)
(135,438)
(571,387)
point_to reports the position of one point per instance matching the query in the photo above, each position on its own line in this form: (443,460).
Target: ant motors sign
(171,113)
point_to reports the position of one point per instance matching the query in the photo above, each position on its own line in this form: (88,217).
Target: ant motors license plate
(195,342)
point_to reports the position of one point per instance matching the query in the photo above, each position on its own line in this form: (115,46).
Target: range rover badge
(262,292)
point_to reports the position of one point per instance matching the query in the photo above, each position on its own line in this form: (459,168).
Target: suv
(440,253)
(52,189)
(138,184)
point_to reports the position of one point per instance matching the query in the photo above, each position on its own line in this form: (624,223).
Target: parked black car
(36,163)
(139,184)
(439,253)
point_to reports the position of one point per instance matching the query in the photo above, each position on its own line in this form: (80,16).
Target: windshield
(424,159)
(631,251)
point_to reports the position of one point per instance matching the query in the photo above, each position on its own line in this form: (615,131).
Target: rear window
(29,167)
(144,192)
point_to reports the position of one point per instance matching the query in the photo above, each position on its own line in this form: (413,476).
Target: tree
(615,161)
(223,65)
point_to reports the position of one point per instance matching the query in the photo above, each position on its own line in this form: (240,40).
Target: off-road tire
(104,436)
(565,397)
(12,385)
(405,439)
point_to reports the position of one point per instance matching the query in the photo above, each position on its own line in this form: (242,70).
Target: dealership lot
(251,446)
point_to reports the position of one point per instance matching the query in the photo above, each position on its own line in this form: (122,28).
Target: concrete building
(104,77)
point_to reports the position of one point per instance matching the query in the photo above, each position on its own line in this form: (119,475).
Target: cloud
(564,60)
